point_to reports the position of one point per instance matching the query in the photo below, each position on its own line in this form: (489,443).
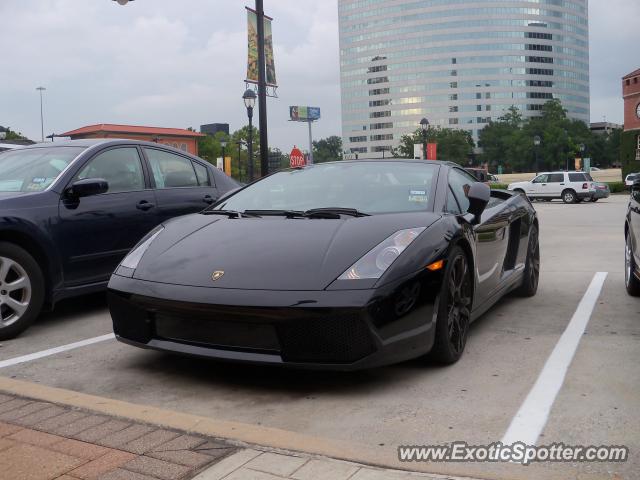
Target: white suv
(571,187)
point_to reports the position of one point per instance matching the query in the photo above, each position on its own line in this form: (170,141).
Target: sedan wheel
(454,309)
(21,290)
(631,281)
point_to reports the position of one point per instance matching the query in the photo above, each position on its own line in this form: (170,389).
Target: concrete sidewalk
(46,441)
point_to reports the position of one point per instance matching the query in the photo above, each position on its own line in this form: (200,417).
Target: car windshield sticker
(38,180)
(418,196)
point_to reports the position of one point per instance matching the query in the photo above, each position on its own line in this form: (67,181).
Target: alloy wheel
(15,291)
(459,304)
(569,198)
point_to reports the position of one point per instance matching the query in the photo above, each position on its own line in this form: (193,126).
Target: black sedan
(632,242)
(70,212)
(340,266)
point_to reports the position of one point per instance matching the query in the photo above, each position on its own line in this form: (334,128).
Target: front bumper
(331,330)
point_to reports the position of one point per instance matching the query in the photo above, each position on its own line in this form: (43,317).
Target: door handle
(208,199)
(562,184)
(144,205)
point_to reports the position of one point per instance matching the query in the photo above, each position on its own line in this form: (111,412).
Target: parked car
(571,187)
(632,242)
(70,211)
(493,178)
(341,266)
(629,179)
(602,191)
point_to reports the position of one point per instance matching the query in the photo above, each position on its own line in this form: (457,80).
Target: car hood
(266,253)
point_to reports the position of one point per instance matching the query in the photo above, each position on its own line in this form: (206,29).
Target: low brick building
(630,144)
(179,138)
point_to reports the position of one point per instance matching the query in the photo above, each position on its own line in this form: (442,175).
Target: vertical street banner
(432,151)
(252,63)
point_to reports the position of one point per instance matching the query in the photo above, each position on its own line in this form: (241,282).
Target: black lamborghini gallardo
(340,266)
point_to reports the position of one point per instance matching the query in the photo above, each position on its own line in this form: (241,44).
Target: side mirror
(88,187)
(479,195)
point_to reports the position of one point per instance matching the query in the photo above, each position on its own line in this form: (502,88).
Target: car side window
(460,182)
(171,170)
(556,178)
(452,204)
(202,174)
(577,177)
(541,179)
(120,167)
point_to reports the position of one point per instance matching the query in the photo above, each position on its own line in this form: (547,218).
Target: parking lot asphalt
(415,403)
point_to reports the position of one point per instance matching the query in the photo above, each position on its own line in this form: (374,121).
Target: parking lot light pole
(250,102)
(223,144)
(583,147)
(41,89)
(536,144)
(424,124)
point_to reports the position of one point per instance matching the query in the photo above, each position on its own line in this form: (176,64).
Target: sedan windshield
(367,187)
(34,169)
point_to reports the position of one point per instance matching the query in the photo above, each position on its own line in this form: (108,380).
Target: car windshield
(34,169)
(369,187)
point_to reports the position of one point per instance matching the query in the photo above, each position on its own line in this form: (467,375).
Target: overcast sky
(181,63)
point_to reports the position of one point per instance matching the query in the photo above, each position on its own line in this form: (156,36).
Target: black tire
(630,280)
(594,200)
(17,267)
(454,309)
(531,274)
(569,196)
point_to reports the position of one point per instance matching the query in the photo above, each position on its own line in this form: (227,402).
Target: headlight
(131,261)
(380,258)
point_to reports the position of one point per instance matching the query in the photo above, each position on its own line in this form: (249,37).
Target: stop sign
(296,158)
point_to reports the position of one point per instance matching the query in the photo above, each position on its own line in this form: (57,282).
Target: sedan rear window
(34,169)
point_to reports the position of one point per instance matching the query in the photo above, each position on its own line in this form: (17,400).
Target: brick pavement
(43,441)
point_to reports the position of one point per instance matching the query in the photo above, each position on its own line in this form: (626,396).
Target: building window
(379,91)
(380,126)
(386,113)
(379,138)
(358,139)
(453,121)
(359,150)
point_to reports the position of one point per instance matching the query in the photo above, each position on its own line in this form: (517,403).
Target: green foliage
(327,150)
(210,149)
(628,145)
(509,142)
(616,187)
(453,145)
(11,135)
(499,186)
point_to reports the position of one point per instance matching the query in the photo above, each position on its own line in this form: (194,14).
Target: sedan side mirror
(88,187)
(479,195)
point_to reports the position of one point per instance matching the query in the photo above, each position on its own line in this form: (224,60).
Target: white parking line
(528,423)
(53,351)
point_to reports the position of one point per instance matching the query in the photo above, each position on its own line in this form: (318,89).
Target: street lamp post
(250,102)
(582,147)
(223,144)
(262,91)
(41,89)
(424,124)
(536,144)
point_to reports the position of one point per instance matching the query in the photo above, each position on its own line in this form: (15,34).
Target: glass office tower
(459,63)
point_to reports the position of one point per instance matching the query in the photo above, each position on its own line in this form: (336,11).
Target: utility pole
(262,92)
(41,89)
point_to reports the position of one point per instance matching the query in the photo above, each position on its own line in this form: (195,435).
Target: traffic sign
(296,158)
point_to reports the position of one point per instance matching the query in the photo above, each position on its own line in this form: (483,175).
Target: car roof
(397,160)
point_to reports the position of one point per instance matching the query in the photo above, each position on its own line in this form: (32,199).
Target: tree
(453,145)
(327,150)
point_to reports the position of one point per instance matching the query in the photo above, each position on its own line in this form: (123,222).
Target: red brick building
(185,140)
(630,147)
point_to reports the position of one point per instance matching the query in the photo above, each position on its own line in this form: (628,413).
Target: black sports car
(340,266)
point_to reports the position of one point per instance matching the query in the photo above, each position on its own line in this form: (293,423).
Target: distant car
(632,177)
(632,242)
(494,178)
(571,187)
(602,191)
(595,169)
(70,212)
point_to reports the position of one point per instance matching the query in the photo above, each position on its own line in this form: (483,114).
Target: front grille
(129,321)
(340,339)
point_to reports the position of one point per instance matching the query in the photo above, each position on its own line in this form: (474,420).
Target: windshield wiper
(334,211)
(228,213)
(275,213)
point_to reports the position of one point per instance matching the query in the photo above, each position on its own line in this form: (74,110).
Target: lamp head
(424,124)
(249,98)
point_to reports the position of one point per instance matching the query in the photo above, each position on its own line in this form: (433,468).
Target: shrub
(616,187)
(498,186)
